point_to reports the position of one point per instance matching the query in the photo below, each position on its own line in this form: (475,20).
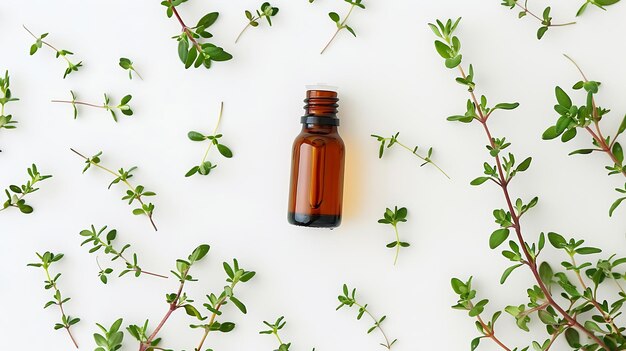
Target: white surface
(391,79)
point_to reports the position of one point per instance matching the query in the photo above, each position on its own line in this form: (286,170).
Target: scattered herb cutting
(274,329)
(127,64)
(191,50)
(343,23)
(6,121)
(545,18)
(392,218)
(111,339)
(175,301)
(349,299)
(587,118)
(267,11)
(205,167)
(122,176)
(45,261)
(15,194)
(566,308)
(39,42)
(105,242)
(122,106)
(215,303)
(386,143)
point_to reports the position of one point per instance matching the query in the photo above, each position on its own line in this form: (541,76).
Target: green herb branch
(267,11)
(205,167)
(175,301)
(235,275)
(274,329)
(545,18)
(45,261)
(39,42)
(466,297)
(133,193)
(349,299)
(105,242)
(342,24)
(6,121)
(15,194)
(127,65)
(122,106)
(393,140)
(393,218)
(111,339)
(190,51)
(588,117)
(521,252)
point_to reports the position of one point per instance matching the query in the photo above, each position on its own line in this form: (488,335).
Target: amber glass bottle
(317,166)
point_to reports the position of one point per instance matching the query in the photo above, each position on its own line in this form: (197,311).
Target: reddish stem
(530,261)
(185,28)
(172,307)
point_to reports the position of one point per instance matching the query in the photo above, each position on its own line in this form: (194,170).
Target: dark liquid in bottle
(316,193)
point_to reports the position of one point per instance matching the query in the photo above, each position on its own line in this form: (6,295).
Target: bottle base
(314,221)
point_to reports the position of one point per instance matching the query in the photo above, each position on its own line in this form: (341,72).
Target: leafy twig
(6,121)
(393,218)
(15,194)
(205,167)
(190,51)
(521,253)
(133,193)
(46,260)
(111,339)
(267,11)
(127,64)
(587,117)
(545,19)
(39,42)
(123,106)
(274,330)
(105,242)
(393,140)
(235,275)
(175,301)
(349,299)
(342,24)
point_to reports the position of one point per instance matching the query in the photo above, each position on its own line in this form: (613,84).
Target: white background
(391,80)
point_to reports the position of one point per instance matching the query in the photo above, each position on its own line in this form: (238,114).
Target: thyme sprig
(127,65)
(235,275)
(175,301)
(6,121)
(39,42)
(122,176)
(99,241)
(545,18)
(122,106)
(45,261)
(386,143)
(587,117)
(111,339)
(343,24)
(267,11)
(274,329)
(205,167)
(15,194)
(349,299)
(191,51)
(567,318)
(393,217)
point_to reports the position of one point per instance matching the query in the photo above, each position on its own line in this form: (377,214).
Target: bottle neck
(320,108)
(318,128)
